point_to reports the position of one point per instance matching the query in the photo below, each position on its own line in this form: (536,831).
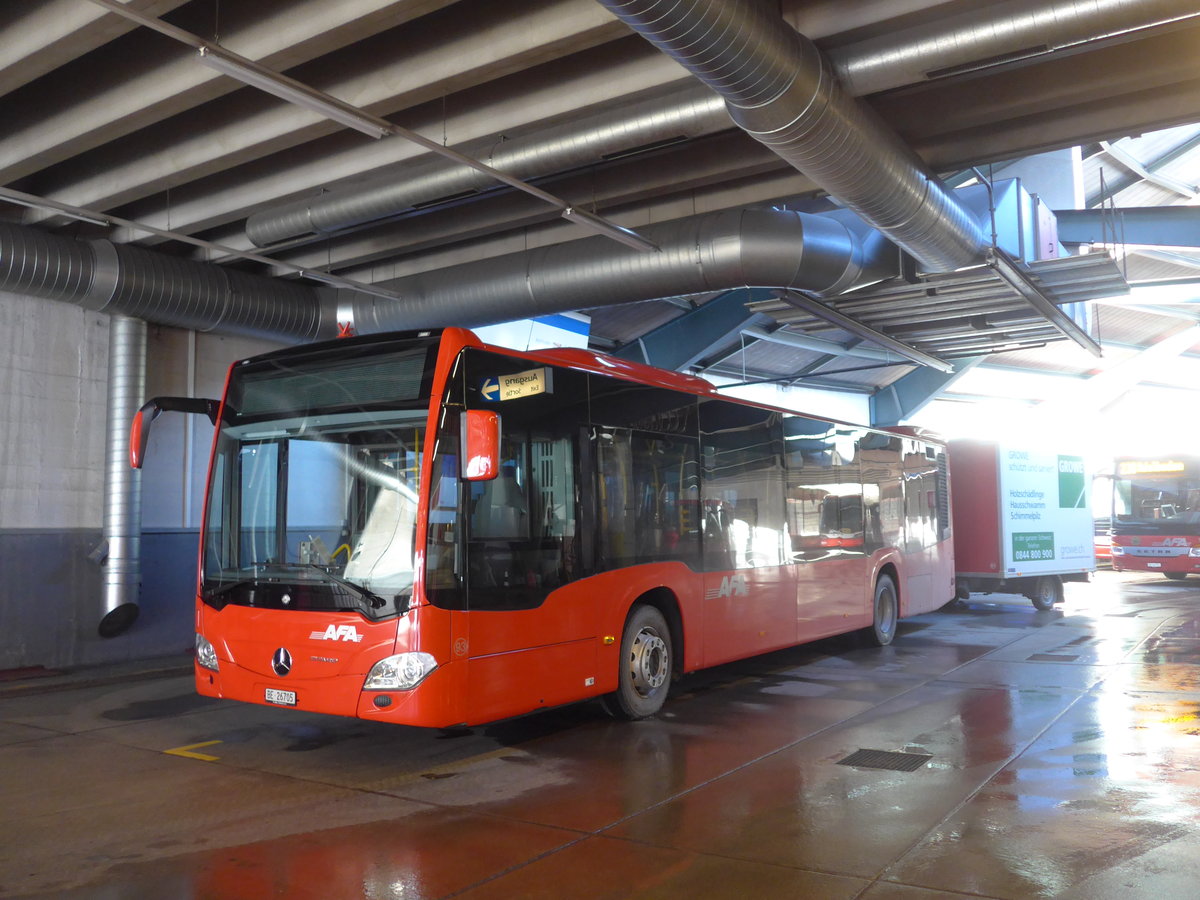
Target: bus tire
(1176,576)
(644,673)
(886,613)
(1047,591)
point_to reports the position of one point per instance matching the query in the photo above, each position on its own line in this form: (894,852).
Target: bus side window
(500,508)
(649,493)
(743,485)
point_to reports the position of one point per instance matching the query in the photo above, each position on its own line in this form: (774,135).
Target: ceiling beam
(910,393)
(1107,386)
(1162,226)
(1146,171)
(684,340)
(47,35)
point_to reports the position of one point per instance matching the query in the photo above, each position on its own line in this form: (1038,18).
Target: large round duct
(713,252)
(780,89)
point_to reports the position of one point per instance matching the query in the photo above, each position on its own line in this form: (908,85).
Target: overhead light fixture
(618,233)
(292,91)
(50,206)
(250,73)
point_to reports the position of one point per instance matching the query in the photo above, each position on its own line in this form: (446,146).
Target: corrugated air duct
(779,88)
(122,484)
(993,35)
(713,252)
(686,112)
(166,290)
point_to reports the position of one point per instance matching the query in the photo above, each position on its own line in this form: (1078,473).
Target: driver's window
(258,466)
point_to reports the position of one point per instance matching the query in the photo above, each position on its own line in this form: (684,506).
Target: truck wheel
(887,611)
(644,673)
(1046,592)
(1176,576)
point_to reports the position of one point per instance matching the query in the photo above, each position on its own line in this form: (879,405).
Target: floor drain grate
(886,759)
(1052,657)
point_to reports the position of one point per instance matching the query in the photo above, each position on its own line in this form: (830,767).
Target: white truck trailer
(1022,521)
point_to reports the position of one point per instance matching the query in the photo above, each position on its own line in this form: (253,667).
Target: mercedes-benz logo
(281,662)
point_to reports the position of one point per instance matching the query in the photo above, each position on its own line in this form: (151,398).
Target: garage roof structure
(117,115)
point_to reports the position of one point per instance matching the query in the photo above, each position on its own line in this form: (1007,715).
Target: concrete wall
(53,397)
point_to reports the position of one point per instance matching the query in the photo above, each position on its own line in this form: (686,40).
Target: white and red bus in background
(1156,515)
(422,529)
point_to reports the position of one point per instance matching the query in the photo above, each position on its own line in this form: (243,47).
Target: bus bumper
(428,705)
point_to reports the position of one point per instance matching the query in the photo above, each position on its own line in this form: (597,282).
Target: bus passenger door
(531,635)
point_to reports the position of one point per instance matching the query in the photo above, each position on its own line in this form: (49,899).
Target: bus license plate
(1154,565)
(283,698)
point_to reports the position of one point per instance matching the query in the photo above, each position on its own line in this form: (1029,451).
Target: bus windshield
(1150,498)
(314,487)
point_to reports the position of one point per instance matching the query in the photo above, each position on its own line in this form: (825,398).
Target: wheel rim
(1045,593)
(648,663)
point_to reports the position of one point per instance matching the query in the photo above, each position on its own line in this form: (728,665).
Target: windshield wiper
(213,593)
(361,592)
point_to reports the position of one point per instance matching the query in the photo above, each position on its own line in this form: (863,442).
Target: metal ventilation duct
(167,290)
(780,89)
(713,252)
(122,484)
(687,112)
(996,34)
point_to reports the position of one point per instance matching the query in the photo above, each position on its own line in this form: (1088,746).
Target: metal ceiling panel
(971,311)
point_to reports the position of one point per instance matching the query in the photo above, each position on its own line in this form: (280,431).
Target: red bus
(1156,515)
(419,528)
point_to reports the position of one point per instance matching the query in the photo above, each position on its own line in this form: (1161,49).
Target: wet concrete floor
(1057,754)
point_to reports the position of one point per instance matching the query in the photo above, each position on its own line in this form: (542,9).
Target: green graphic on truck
(1028,546)
(1072,485)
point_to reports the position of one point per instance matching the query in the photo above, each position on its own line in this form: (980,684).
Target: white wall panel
(53,376)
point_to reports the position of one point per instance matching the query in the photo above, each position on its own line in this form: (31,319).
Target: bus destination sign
(499,388)
(1149,467)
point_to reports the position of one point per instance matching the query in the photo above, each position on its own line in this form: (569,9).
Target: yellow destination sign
(520,384)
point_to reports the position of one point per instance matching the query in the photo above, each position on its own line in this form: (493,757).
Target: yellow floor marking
(187,751)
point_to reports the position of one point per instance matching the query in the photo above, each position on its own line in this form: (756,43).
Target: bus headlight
(401,672)
(1118,551)
(1195,551)
(205,654)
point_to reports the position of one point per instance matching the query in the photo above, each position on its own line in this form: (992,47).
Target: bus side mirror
(480,444)
(139,431)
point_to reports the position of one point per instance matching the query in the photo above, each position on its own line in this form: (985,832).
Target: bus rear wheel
(644,673)
(886,613)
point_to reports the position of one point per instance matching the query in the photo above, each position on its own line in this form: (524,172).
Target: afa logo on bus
(731,586)
(337,633)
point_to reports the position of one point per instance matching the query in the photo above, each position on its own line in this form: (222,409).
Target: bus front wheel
(887,612)
(644,675)
(1176,576)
